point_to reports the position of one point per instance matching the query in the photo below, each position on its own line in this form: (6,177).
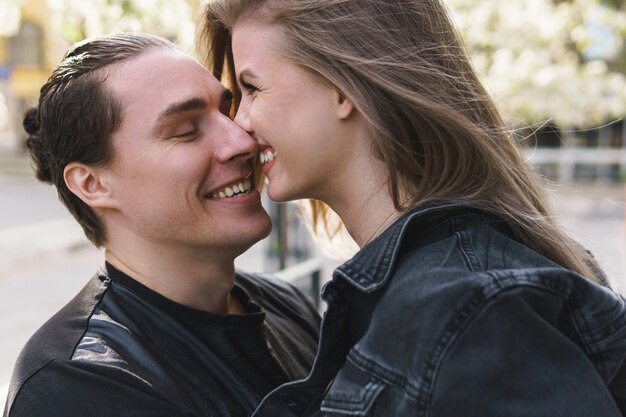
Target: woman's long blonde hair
(438,131)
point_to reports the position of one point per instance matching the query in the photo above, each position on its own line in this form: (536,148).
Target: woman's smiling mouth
(267,156)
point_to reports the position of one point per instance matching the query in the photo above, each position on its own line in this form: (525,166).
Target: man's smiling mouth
(235,190)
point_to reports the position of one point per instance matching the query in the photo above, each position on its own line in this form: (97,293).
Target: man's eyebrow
(192,104)
(196,103)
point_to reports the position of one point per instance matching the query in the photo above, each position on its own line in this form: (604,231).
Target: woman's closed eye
(248,88)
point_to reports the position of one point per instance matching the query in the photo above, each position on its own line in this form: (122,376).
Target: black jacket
(120,349)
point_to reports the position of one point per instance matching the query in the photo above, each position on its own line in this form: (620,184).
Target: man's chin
(255,236)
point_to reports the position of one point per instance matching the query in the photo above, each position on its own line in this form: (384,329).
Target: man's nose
(238,144)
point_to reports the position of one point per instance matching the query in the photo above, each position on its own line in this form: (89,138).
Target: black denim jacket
(447,314)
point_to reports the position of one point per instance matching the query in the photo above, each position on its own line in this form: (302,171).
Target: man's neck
(195,281)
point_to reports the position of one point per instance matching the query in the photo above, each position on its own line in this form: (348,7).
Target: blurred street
(44,259)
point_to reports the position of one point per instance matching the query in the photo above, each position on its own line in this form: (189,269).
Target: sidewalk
(24,240)
(593,214)
(34,242)
(15,163)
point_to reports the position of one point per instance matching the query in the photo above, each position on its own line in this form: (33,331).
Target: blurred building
(574,153)
(26,60)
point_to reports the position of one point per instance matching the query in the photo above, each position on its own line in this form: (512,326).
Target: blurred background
(556,67)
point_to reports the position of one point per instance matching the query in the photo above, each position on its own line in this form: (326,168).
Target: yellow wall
(35,10)
(26,82)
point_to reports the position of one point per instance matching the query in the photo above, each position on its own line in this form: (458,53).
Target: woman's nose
(242,118)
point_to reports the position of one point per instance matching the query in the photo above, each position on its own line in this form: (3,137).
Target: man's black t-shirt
(121,349)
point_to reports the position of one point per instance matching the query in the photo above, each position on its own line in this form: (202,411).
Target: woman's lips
(267,156)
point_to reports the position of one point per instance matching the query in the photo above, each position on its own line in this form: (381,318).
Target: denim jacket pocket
(353,392)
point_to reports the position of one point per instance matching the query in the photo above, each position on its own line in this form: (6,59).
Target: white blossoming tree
(543,60)
(173,19)
(546,60)
(10,17)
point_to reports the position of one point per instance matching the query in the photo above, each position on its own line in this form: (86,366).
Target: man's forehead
(158,79)
(164,66)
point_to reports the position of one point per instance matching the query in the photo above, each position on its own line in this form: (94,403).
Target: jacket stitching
(106,284)
(474,306)
(465,245)
(387,376)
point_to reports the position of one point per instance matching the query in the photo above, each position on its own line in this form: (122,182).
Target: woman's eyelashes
(248,88)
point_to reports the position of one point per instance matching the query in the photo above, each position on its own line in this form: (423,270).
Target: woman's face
(295,116)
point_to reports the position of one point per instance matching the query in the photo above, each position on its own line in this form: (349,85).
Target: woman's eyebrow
(246,74)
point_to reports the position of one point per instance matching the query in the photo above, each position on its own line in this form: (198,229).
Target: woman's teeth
(235,190)
(267,156)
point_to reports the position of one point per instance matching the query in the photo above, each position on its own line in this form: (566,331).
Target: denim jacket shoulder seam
(447,340)
(583,330)
(465,244)
(422,391)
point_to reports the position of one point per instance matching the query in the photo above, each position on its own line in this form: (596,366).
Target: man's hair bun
(36,146)
(31,123)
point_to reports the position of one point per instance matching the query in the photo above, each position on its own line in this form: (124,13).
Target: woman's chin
(281,194)
(277,197)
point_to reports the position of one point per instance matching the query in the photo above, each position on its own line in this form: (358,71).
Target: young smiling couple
(465,297)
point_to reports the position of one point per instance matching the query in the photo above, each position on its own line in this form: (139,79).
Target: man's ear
(89,184)
(345,106)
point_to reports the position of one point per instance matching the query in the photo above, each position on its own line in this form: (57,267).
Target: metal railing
(566,159)
(306,276)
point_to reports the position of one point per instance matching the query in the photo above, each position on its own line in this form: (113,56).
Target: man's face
(181,170)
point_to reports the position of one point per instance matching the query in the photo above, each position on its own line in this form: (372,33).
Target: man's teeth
(267,156)
(235,190)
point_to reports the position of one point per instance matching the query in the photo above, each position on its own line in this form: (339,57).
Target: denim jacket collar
(372,266)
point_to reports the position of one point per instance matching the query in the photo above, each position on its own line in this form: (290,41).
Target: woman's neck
(365,204)
(368,220)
